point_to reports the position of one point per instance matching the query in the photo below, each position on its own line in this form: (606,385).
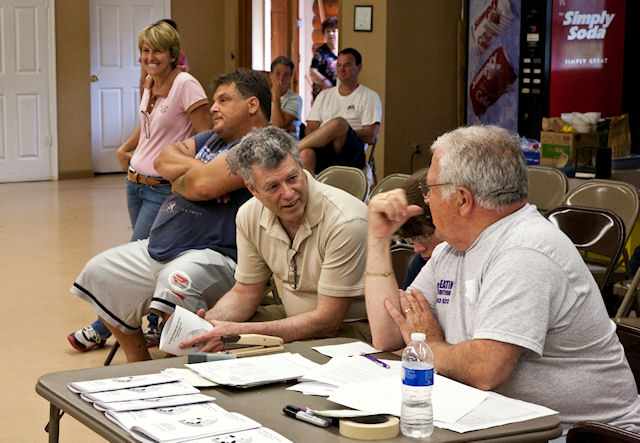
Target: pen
(201,357)
(301,414)
(375,360)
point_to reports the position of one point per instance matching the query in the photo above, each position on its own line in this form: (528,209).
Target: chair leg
(628,297)
(112,353)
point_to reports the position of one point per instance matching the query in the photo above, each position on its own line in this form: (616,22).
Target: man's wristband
(378,274)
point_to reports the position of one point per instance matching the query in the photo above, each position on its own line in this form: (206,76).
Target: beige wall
(202,36)
(73,89)
(373,47)
(421,80)
(411,59)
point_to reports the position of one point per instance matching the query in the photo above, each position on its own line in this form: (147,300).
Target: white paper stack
(358,383)
(112,384)
(253,371)
(157,408)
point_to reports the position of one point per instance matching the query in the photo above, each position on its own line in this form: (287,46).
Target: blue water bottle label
(417,377)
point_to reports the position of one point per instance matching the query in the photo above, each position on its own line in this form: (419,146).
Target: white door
(27,147)
(115,95)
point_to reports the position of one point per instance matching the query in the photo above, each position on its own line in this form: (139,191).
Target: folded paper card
(182,325)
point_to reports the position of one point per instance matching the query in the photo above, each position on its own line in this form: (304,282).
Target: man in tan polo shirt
(311,236)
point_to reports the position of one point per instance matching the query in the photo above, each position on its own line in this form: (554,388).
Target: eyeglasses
(147,124)
(293,268)
(424,238)
(425,188)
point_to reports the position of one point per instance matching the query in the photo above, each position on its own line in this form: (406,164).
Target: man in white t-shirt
(343,120)
(507,303)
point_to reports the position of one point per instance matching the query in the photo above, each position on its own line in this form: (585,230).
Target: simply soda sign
(587,55)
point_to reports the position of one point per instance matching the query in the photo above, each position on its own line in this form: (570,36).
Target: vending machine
(531,59)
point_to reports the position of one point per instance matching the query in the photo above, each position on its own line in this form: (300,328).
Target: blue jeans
(143,203)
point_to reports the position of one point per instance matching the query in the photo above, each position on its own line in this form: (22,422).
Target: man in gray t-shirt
(507,302)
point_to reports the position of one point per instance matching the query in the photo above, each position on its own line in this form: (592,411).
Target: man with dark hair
(309,235)
(189,257)
(507,303)
(287,105)
(343,120)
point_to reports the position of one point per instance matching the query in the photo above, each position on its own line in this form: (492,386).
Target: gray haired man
(309,235)
(507,302)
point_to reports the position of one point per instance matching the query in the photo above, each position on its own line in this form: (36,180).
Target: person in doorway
(287,105)
(323,64)
(174,106)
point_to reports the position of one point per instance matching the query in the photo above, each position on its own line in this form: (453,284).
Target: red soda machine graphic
(531,59)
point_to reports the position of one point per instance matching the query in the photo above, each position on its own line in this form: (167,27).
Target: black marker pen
(298,413)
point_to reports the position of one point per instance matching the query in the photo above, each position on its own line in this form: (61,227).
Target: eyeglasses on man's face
(293,268)
(425,188)
(422,239)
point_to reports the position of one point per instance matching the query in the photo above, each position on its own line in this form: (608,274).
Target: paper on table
(496,410)
(189,377)
(182,325)
(260,435)
(341,371)
(141,392)
(451,400)
(313,388)
(156,402)
(128,419)
(346,349)
(112,384)
(194,427)
(251,371)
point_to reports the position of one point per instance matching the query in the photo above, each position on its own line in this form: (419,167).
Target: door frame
(53,91)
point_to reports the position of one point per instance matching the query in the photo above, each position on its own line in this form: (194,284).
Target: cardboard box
(559,148)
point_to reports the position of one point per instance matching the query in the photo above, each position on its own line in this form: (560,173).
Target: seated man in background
(311,236)
(343,120)
(286,104)
(189,257)
(419,229)
(507,303)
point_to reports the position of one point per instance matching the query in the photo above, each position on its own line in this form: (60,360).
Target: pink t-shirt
(168,122)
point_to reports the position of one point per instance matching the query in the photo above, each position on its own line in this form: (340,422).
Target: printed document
(252,371)
(141,392)
(112,384)
(156,402)
(182,325)
(192,427)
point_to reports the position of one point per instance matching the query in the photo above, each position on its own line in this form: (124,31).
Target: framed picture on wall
(363,18)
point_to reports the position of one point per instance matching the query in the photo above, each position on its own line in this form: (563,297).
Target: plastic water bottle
(416,414)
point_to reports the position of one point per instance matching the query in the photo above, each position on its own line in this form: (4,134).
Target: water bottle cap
(418,336)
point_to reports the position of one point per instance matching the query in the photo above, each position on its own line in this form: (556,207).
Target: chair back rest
(547,187)
(595,432)
(347,178)
(371,162)
(616,196)
(592,230)
(391,181)
(630,338)
(401,256)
